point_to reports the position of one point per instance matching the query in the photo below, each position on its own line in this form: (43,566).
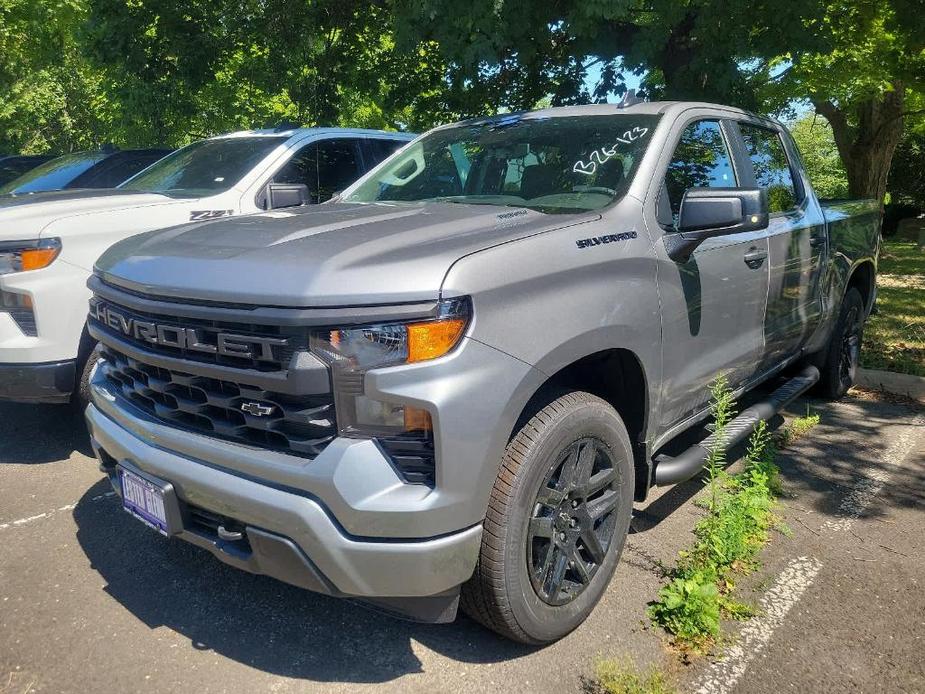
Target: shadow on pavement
(256,620)
(832,464)
(283,630)
(34,434)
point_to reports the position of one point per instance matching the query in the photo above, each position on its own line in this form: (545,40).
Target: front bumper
(38,383)
(292,536)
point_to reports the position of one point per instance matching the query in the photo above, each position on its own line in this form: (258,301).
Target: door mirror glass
(286,195)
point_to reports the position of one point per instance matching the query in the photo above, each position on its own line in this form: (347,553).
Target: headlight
(20,256)
(351,352)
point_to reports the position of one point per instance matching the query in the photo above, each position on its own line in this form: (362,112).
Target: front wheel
(557,520)
(843,353)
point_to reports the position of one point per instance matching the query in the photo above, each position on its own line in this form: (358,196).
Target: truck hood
(25,216)
(337,254)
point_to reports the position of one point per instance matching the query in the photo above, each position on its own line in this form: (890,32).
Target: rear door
(796,242)
(713,305)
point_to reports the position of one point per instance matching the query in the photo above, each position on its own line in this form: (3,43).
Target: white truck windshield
(207,167)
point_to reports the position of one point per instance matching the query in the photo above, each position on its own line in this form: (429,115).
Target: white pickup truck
(49,241)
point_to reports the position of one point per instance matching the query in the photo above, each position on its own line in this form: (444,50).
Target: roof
(293,132)
(642,107)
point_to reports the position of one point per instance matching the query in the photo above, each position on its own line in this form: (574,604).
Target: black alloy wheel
(573,521)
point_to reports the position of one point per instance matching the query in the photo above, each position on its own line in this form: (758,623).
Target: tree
(513,52)
(870,82)
(814,137)
(906,183)
(51,98)
(190,69)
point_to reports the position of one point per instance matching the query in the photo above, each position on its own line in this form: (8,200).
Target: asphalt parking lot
(91,600)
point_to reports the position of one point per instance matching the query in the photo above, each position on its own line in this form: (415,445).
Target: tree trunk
(866,134)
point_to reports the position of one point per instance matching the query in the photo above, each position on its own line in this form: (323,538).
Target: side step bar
(688,464)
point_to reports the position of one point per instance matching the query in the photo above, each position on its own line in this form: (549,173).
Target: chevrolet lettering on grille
(180,337)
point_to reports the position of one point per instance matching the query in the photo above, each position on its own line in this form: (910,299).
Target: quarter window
(772,169)
(701,160)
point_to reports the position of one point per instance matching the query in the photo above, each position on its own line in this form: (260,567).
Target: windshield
(555,165)
(203,168)
(54,174)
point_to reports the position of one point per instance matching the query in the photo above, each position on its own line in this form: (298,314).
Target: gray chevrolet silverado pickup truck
(448,386)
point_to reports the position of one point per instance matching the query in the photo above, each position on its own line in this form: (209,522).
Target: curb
(898,384)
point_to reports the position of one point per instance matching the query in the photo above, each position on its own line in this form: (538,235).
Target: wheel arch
(863,278)
(617,376)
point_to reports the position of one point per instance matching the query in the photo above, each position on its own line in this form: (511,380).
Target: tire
(81,397)
(539,574)
(842,354)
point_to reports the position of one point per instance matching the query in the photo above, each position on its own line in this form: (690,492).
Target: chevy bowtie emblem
(258,409)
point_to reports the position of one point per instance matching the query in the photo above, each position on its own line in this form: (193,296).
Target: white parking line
(755,635)
(48,514)
(874,477)
(799,575)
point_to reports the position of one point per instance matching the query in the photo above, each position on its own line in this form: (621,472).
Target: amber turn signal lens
(433,339)
(37,258)
(417,420)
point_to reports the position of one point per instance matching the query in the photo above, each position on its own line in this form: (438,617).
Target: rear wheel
(557,520)
(843,353)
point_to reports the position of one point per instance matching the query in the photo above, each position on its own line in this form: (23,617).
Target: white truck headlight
(21,256)
(351,352)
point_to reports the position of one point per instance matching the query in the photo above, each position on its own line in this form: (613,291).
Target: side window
(377,149)
(772,169)
(302,168)
(701,160)
(338,166)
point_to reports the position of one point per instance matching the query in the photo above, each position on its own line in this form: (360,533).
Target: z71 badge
(610,238)
(199,215)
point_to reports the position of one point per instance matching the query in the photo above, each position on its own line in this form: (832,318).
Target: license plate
(144,500)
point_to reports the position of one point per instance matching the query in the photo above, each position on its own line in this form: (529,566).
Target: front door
(713,305)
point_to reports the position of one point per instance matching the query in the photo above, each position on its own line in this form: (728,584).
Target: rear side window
(338,166)
(772,169)
(377,150)
(701,160)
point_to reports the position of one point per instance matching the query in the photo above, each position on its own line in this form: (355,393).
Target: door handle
(755,257)
(816,241)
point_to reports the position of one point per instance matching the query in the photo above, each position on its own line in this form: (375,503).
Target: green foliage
(689,607)
(906,183)
(740,514)
(798,427)
(51,98)
(511,53)
(813,136)
(623,677)
(894,338)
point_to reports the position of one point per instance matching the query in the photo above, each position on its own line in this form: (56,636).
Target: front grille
(301,425)
(206,332)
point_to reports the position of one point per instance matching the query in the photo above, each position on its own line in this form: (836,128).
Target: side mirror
(286,195)
(709,212)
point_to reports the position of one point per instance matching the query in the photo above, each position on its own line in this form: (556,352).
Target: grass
(740,516)
(894,339)
(622,677)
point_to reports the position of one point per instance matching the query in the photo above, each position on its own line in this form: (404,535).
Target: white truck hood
(28,216)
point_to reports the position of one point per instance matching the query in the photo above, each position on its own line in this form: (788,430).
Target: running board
(669,470)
